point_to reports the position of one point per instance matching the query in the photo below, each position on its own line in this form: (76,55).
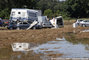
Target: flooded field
(49,44)
(52,49)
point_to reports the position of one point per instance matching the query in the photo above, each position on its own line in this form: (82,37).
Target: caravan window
(13,13)
(19,12)
(32,14)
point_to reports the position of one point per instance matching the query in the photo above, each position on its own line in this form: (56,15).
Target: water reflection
(8,54)
(5,53)
(66,48)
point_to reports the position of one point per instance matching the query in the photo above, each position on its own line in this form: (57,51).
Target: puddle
(65,48)
(8,54)
(5,53)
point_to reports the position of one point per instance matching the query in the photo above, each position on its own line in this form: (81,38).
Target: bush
(4,14)
(48,13)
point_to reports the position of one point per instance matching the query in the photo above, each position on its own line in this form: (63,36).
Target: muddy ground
(40,36)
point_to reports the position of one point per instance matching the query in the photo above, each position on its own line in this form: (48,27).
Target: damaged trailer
(24,14)
(57,22)
(32,19)
(27,16)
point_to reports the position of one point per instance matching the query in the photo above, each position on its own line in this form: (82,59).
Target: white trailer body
(24,14)
(57,22)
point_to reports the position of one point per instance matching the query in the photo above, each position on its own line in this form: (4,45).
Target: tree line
(51,8)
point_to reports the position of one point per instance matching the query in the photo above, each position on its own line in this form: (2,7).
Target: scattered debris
(61,39)
(85,30)
(34,18)
(33,24)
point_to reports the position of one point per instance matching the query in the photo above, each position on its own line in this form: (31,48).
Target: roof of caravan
(25,9)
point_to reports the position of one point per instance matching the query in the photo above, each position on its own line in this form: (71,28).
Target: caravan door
(59,22)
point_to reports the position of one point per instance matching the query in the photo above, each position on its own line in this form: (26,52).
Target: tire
(83,25)
(39,27)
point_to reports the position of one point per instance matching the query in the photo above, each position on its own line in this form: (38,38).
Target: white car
(84,23)
(78,21)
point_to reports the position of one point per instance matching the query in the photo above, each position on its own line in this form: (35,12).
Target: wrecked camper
(57,22)
(24,14)
(32,19)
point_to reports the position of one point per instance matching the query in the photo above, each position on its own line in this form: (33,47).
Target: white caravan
(24,14)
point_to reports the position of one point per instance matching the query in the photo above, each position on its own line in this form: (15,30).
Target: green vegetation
(68,9)
(48,12)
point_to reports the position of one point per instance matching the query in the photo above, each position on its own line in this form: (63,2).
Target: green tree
(48,13)
(54,5)
(4,14)
(9,4)
(76,8)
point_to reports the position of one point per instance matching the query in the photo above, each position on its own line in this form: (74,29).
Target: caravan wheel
(83,25)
